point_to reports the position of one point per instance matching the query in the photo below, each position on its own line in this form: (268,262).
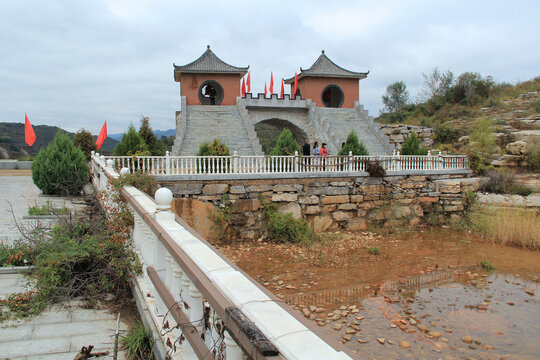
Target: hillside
(499,128)
(12,145)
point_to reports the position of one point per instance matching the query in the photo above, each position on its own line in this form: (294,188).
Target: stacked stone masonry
(398,134)
(327,204)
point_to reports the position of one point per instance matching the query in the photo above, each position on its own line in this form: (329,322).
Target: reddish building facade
(209,77)
(327,84)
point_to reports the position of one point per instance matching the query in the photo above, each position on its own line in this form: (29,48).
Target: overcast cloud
(75,64)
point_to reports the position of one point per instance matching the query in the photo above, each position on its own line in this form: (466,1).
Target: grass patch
(486,265)
(138,342)
(374,250)
(509,226)
(47,210)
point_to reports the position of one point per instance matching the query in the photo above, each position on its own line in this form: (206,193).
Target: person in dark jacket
(306,151)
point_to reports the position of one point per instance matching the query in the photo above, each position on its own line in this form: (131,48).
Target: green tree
(352,144)
(132,144)
(411,146)
(155,146)
(396,96)
(84,140)
(60,168)
(482,137)
(285,145)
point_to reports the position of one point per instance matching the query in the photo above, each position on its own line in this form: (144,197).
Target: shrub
(482,137)
(411,146)
(504,182)
(445,134)
(533,159)
(352,144)
(84,140)
(285,145)
(138,342)
(215,148)
(132,144)
(60,168)
(145,182)
(283,228)
(375,169)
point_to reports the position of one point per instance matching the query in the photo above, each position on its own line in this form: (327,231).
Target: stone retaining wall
(348,203)
(399,133)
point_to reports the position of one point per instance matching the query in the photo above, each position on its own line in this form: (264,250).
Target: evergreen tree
(285,145)
(60,168)
(84,140)
(155,146)
(132,144)
(411,146)
(352,144)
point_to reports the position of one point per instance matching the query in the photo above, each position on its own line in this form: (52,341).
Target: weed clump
(375,169)
(504,182)
(145,182)
(374,250)
(486,265)
(138,342)
(283,228)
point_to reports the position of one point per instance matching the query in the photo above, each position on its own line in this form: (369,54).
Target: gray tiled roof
(208,62)
(324,67)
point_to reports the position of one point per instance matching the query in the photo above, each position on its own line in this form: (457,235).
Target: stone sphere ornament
(164,198)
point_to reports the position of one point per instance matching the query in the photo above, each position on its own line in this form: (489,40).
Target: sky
(75,64)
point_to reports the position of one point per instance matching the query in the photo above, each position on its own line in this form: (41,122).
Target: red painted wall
(312,87)
(190,83)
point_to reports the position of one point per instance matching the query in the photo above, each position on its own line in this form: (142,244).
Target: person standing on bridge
(316,153)
(306,151)
(324,154)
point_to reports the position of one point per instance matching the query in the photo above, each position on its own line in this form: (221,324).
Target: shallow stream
(423,297)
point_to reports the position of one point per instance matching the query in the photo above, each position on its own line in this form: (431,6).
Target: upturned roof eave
(360,76)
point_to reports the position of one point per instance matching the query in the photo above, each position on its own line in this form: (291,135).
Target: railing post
(440,160)
(124,171)
(429,161)
(167,163)
(398,161)
(296,160)
(235,162)
(196,316)
(351,165)
(232,350)
(110,164)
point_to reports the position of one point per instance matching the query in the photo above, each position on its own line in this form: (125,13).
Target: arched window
(332,96)
(211,93)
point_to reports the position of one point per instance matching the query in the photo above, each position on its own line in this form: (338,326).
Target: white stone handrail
(297,164)
(187,282)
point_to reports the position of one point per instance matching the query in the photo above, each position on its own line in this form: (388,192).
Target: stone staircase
(338,123)
(206,123)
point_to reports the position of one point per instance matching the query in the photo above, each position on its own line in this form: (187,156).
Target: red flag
(265,91)
(282,89)
(295,84)
(271,89)
(29,134)
(243,87)
(102,135)
(249,82)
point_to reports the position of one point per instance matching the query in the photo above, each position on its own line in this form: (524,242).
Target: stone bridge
(235,125)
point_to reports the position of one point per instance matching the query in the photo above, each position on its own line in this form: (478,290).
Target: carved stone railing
(203,306)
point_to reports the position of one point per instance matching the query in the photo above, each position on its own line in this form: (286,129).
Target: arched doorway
(209,89)
(269,130)
(332,96)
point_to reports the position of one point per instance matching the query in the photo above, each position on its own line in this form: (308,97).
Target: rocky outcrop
(399,133)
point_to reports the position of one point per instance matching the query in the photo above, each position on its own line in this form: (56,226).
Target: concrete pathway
(59,332)
(21,193)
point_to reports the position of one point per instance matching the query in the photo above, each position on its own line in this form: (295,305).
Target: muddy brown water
(424,291)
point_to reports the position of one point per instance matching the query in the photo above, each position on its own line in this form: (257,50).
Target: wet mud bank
(421,294)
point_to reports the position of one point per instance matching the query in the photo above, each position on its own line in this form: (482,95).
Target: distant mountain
(12,143)
(158,133)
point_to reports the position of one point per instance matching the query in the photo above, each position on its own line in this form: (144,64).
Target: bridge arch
(268,131)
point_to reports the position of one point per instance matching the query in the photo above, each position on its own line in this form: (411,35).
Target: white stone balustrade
(285,332)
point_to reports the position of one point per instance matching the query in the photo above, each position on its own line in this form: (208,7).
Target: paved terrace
(59,332)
